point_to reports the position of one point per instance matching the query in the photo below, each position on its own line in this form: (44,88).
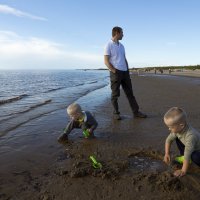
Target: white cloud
(9,10)
(19,52)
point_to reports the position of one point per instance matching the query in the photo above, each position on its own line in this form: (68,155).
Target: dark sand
(35,166)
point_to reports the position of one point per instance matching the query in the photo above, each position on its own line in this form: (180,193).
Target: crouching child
(186,137)
(79,119)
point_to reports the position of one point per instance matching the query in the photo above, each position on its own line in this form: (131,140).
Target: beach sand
(176,72)
(131,151)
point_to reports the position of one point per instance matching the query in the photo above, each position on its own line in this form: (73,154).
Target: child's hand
(90,130)
(167,158)
(179,173)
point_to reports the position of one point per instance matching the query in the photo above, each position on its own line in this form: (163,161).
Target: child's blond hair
(74,108)
(176,116)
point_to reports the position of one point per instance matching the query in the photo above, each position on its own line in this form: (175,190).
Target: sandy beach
(175,72)
(130,150)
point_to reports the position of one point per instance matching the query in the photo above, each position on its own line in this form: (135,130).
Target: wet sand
(35,166)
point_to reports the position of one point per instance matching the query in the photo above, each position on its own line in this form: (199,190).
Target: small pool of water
(147,164)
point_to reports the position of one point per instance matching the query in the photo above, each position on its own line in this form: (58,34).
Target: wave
(16,125)
(12,115)
(54,89)
(11,123)
(92,82)
(79,84)
(40,104)
(11,99)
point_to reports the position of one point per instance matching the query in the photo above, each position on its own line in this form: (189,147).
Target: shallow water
(28,95)
(147,164)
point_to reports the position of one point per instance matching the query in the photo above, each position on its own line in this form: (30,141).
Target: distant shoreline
(173,72)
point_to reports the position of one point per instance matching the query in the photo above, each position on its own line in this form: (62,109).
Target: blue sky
(67,34)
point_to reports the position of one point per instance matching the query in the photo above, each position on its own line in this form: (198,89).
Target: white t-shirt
(116,53)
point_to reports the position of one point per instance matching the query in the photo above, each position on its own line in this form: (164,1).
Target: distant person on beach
(115,60)
(79,119)
(186,137)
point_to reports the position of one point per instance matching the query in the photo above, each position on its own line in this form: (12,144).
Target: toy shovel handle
(93,160)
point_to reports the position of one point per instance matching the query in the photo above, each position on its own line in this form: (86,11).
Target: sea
(28,95)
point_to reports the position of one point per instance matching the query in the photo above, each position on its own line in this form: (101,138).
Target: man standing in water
(115,60)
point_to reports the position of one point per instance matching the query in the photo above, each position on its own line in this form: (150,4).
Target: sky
(69,34)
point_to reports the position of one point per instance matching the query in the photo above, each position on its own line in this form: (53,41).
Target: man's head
(117,32)
(176,119)
(74,111)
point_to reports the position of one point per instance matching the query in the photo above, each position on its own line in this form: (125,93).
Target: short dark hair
(115,30)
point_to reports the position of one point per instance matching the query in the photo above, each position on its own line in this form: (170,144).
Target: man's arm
(108,64)
(126,63)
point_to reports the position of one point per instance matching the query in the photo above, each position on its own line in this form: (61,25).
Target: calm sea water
(27,95)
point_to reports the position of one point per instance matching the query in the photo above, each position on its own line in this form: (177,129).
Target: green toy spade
(95,164)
